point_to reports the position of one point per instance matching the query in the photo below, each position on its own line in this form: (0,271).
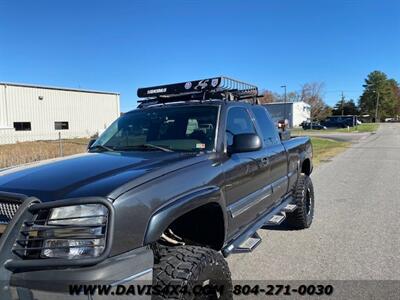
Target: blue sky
(121,45)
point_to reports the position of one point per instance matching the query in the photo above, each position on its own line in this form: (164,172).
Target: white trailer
(294,112)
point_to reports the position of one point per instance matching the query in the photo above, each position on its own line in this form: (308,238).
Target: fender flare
(306,155)
(177,207)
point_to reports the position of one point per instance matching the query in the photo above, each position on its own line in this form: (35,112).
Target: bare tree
(293,97)
(268,97)
(312,93)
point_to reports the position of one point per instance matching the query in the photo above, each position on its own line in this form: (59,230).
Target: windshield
(190,128)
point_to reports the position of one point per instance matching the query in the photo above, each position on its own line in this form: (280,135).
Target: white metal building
(294,112)
(29,112)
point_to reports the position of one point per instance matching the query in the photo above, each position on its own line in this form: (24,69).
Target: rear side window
(238,122)
(268,130)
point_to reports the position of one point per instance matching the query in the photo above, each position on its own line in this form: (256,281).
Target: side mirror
(283,124)
(91,142)
(245,142)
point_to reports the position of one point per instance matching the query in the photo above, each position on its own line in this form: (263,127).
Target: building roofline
(291,102)
(57,88)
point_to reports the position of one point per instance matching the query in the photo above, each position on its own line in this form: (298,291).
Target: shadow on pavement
(282,227)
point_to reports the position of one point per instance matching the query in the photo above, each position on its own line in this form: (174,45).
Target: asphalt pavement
(355,234)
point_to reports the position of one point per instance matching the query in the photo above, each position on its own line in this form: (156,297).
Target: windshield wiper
(145,146)
(101,147)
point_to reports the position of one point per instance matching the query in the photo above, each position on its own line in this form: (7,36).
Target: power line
(347,91)
(325,91)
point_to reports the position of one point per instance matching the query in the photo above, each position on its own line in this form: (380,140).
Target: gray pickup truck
(162,196)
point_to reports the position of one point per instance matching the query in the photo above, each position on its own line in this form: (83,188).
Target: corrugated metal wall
(86,112)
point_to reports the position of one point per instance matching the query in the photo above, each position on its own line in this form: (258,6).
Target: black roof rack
(223,88)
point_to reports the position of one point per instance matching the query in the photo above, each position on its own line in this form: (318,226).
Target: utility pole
(376,106)
(342,104)
(376,91)
(284,103)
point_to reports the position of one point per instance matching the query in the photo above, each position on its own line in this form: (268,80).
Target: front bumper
(54,282)
(129,269)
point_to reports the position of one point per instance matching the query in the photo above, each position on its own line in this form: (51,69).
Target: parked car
(164,194)
(341,121)
(329,123)
(392,120)
(315,126)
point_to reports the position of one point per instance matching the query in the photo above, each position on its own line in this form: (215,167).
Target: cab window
(267,127)
(238,122)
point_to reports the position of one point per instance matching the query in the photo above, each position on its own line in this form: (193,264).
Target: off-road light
(60,248)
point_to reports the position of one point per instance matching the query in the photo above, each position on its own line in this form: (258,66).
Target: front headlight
(86,214)
(75,232)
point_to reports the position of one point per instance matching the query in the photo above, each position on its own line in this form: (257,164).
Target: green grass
(325,149)
(365,127)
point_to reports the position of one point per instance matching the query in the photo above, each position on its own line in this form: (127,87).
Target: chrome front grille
(7,211)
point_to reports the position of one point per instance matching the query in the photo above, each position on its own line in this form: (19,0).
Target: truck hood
(91,174)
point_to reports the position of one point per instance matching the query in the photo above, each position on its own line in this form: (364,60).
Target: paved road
(356,232)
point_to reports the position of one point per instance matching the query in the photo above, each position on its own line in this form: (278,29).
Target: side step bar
(290,208)
(240,242)
(279,218)
(276,219)
(248,245)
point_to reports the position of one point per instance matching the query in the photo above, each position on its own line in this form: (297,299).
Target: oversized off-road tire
(304,199)
(200,273)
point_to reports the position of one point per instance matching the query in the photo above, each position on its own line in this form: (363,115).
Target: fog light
(58,248)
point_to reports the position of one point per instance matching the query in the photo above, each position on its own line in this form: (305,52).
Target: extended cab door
(245,188)
(277,173)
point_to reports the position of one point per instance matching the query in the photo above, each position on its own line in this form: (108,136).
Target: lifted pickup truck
(165,193)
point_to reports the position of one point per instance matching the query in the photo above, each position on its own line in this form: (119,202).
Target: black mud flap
(6,244)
